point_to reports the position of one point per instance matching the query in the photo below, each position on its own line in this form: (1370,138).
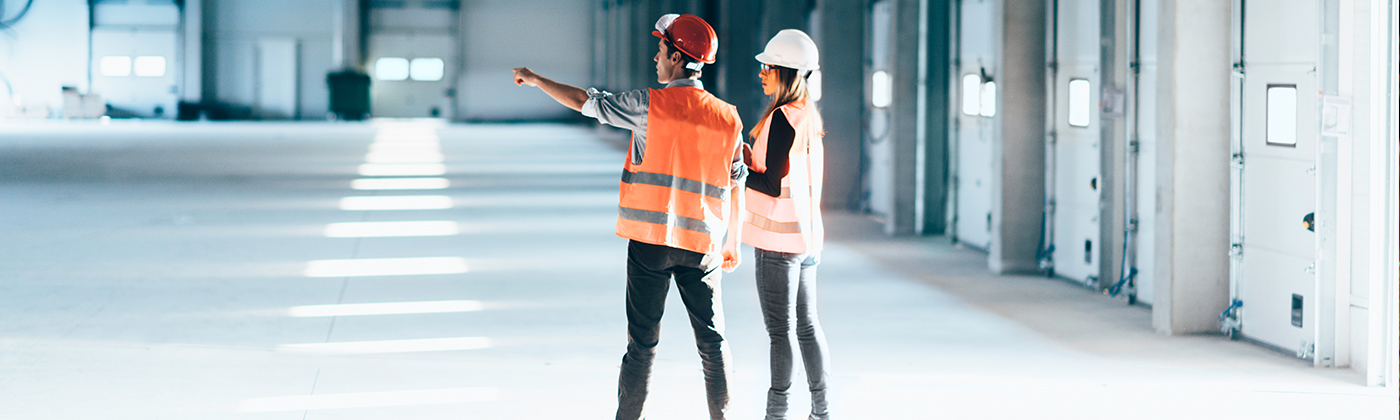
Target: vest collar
(695,83)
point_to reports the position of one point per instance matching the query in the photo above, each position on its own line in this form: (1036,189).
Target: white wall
(552,37)
(44,52)
(236,26)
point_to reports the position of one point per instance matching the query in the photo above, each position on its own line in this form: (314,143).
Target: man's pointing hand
(523,76)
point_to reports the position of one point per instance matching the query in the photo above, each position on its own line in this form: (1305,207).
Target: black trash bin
(349,94)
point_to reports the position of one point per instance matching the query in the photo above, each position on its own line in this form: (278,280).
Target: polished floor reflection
(301,271)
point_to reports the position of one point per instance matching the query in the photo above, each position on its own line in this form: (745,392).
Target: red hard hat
(690,34)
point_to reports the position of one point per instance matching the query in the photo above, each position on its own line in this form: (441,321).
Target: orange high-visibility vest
(791,222)
(678,196)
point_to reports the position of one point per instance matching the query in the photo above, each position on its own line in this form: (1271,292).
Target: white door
(1275,279)
(879,150)
(972,138)
(134,71)
(1076,159)
(133,61)
(277,78)
(1146,187)
(413,59)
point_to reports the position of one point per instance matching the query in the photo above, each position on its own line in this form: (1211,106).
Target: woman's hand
(748,155)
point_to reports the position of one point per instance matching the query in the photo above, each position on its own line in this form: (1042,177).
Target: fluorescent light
(417,147)
(369,399)
(364,267)
(403,157)
(383,229)
(393,308)
(402,169)
(400,202)
(400,184)
(391,346)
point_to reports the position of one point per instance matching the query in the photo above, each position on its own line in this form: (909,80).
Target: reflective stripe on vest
(663,180)
(678,195)
(792,221)
(656,217)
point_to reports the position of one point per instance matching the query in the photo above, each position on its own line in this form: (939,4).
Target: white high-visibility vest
(791,222)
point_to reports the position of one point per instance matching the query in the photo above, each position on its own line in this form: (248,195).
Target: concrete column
(907,71)
(919,121)
(842,34)
(936,110)
(740,39)
(208,58)
(783,14)
(1018,151)
(345,41)
(643,70)
(1193,162)
(192,51)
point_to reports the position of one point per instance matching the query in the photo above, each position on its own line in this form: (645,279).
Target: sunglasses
(765,67)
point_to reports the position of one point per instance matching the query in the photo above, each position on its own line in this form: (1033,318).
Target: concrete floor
(153,271)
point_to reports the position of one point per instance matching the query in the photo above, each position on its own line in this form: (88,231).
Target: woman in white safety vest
(783,220)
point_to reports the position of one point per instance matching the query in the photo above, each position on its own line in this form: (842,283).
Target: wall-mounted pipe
(1045,254)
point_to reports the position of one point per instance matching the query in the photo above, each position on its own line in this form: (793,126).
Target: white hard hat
(790,48)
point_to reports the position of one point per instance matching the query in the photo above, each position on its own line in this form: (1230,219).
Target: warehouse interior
(1037,209)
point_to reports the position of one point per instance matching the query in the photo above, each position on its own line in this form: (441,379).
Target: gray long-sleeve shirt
(628,110)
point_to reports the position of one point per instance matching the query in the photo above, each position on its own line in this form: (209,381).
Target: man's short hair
(685,59)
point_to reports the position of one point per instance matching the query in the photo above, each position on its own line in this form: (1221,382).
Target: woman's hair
(792,87)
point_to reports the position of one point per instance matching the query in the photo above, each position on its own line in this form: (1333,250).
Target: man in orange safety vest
(677,201)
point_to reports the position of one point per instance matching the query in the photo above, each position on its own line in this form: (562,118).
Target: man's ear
(676,57)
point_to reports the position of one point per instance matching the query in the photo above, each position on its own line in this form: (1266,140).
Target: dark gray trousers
(787,294)
(649,272)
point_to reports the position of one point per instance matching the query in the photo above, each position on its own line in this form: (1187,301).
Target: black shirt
(780,139)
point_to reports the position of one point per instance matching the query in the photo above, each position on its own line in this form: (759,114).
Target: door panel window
(1079,105)
(150,66)
(989,99)
(116,66)
(426,69)
(1281,118)
(391,68)
(972,94)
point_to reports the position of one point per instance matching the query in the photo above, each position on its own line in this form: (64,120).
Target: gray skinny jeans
(649,271)
(787,294)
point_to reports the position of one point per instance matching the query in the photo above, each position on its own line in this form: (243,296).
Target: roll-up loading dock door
(1273,271)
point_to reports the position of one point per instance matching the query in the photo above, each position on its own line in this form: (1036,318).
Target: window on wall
(426,69)
(1281,115)
(989,99)
(391,68)
(150,66)
(115,66)
(1079,105)
(972,94)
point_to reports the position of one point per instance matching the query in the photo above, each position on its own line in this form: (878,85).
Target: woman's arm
(780,138)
